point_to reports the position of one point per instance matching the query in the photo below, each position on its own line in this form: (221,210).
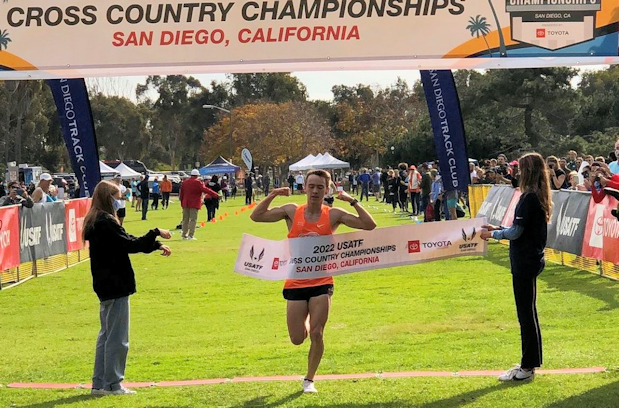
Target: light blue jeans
(112,344)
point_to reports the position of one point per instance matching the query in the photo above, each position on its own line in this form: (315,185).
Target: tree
(275,87)
(170,111)
(599,106)
(199,119)
(121,127)
(276,134)
(366,121)
(22,112)
(542,97)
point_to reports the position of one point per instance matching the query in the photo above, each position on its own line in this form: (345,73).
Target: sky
(318,83)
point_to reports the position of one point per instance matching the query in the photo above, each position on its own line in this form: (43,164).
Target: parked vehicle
(135,165)
(178,173)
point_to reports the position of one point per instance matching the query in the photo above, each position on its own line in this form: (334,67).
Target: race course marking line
(405,374)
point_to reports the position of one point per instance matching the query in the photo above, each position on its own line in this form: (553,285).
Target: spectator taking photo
(16,196)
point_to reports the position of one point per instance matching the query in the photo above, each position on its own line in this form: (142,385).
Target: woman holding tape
(113,281)
(526,254)
(309,300)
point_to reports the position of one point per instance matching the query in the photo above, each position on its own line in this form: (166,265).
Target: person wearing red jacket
(191,201)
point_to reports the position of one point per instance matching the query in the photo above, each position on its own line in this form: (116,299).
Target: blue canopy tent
(219,166)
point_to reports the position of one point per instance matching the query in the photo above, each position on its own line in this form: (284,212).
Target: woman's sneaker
(120,391)
(517,374)
(97,391)
(308,386)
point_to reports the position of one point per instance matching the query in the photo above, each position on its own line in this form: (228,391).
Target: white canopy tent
(302,164)
(329,162)
(321,161)
(127,172)
(106,171)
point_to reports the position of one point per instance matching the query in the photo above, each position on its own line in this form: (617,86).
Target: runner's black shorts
(121,213)
(307,293)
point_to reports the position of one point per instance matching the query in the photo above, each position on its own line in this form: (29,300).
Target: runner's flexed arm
(361,221)
(263,214)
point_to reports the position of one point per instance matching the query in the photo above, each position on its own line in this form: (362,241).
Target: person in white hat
(190,197)
(41,193)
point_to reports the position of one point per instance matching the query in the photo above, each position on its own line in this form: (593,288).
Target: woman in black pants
(393,188)
(212,203)
(526,254)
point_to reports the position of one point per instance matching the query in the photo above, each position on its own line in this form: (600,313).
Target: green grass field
(193,318)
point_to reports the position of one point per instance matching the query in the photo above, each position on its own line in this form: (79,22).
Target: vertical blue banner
(448,127)
(78,130)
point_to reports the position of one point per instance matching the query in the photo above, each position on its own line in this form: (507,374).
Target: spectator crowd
(415,189)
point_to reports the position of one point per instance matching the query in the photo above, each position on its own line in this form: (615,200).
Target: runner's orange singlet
(302,228)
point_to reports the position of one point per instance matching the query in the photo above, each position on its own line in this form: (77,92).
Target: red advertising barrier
(611,232)
(75,212)
(9,237)
(602,232)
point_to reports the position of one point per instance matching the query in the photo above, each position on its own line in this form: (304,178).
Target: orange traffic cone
(203,224)
(236,213)
(221,218)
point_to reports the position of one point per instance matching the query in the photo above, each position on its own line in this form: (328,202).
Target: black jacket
(248,183)
(143,187)
(110,246)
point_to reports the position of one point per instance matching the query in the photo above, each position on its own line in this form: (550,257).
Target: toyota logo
(598,228)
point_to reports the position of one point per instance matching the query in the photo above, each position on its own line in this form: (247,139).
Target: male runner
(309,300)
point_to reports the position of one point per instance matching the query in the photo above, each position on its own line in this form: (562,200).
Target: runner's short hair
(320,173)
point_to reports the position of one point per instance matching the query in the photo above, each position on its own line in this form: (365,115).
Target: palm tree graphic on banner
(502,48)
(478,26)
(4,36)
(4,39)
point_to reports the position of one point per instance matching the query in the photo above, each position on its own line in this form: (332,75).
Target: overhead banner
(9,237)
(448,128)
(316,257)
(494,207)
(71,38)
(75,212)
(42,231)
(78,130)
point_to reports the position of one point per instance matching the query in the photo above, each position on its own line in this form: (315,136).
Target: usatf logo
(414,246)
(275,264)
(469,246)
(466,237)
(251,255)
(540,33)
(254,265)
